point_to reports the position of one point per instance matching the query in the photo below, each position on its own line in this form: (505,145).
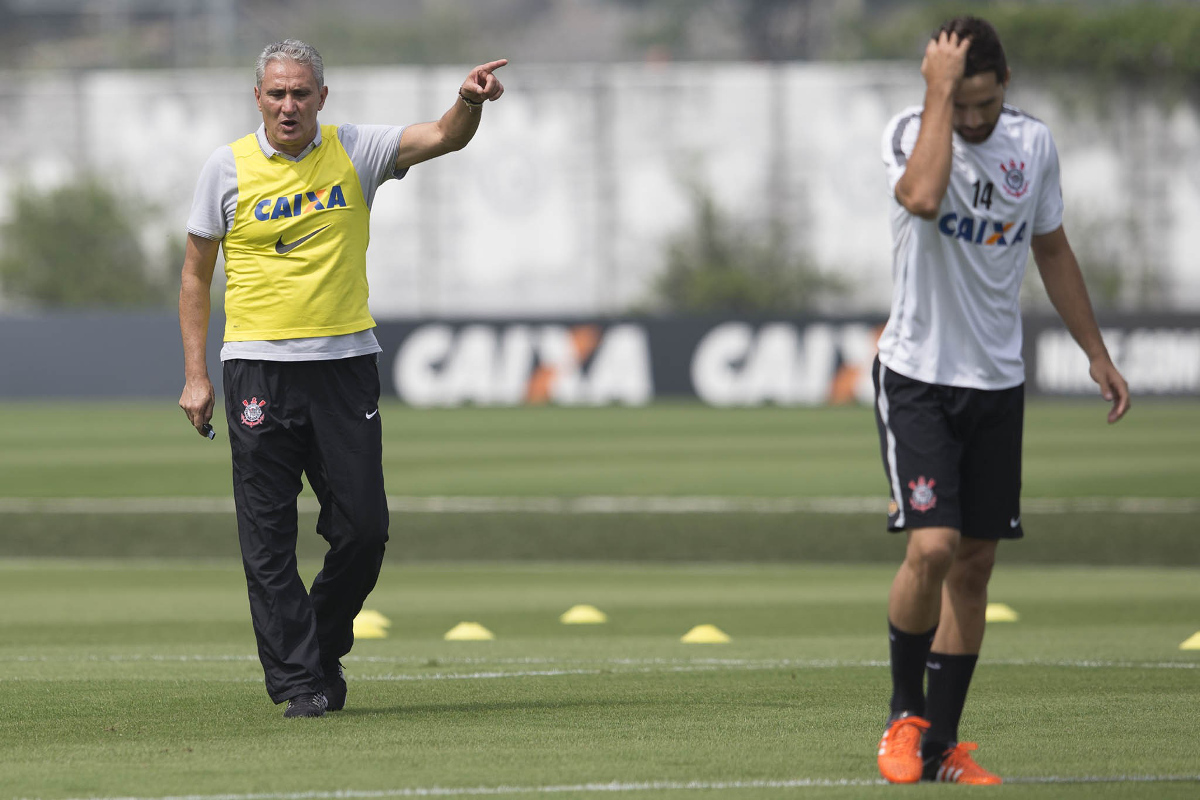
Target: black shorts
(952,455)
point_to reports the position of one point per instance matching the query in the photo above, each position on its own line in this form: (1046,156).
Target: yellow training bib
(296,256)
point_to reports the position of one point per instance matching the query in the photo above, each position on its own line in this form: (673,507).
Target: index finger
(491,66)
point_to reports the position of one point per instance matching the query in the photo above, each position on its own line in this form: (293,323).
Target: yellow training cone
(369,617)
(1192,643)
(999,612)
(362,631)
(583,615)
(469,632)
(705,634)
(371,625)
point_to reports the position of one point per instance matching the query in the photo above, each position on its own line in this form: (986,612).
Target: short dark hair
(295,50)
(986,54)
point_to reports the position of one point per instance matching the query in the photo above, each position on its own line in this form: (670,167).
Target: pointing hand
(482,84)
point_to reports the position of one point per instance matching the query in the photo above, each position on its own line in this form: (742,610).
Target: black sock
(949,679)
(909,651)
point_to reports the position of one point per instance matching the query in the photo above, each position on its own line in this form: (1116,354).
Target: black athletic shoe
(335,687)
(307,705)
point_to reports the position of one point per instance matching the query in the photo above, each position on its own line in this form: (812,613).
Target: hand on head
(945,59)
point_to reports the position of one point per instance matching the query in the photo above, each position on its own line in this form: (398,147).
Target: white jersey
(956,316)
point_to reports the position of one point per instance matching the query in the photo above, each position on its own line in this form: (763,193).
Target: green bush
(723,265)
(1141,42)
(76,246)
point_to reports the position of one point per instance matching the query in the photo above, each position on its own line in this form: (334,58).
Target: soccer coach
(290,204)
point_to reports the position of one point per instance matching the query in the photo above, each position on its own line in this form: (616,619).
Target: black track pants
(319,418)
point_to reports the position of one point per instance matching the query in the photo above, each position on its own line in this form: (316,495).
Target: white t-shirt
(956,317)
(372,149)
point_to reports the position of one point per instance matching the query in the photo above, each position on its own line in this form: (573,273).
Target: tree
(1153,43)
(721,265)
(766,30)
(75,246)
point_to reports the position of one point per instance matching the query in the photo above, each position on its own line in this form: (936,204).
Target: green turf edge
(1080,538)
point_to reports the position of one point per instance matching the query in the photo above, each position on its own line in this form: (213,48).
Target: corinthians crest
(1014,178)
(253,415)
(922,498)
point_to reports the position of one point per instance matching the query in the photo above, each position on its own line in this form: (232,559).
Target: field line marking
(618,786)
(746,667)
(763,663)
(597,504)
(560,668)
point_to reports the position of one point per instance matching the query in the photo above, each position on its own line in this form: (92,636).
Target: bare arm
(923,184)
(1064,284)
(457,126)
(199,261)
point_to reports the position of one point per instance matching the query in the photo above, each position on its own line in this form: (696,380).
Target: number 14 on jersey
(983,194)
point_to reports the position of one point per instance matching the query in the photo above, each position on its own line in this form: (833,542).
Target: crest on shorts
(253,413)
(1014,178)
(922,497)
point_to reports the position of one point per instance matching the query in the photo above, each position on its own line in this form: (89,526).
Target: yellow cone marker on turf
(371,625)
(999,612)
(469,632)
(583,615)
(369,617)
(705,634)
(1192,643)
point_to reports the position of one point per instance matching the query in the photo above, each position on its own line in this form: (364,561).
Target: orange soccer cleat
(957,766)
(900,749)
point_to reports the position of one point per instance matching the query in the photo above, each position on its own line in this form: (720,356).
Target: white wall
(563,202)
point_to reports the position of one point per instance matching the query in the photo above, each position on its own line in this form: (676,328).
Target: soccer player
(976,187)
(290,204)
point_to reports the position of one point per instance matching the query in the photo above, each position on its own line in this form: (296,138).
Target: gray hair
(290,50)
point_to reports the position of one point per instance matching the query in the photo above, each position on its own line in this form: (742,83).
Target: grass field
(139,680)
(136,678)
(125,458)
(148,450)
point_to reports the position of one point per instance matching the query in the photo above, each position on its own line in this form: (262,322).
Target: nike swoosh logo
(372,414)
(284,249)
(934,665)
(1014,522)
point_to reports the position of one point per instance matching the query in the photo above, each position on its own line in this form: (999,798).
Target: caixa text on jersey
(980,231)
(295,205)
